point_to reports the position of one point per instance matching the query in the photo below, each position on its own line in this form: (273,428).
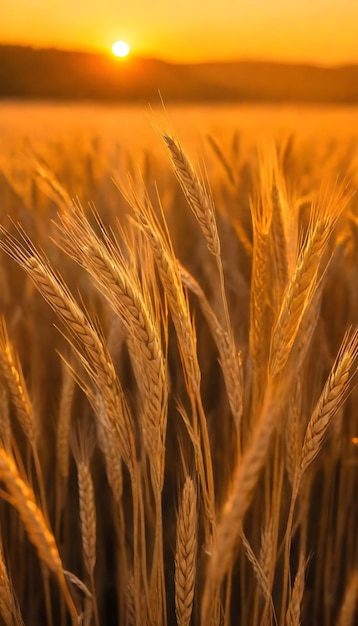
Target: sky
(314,31)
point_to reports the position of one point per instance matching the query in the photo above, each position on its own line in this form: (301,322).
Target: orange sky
(322,31)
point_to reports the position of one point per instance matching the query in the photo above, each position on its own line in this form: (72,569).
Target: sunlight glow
(121,49)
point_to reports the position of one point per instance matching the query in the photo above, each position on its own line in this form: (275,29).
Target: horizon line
(170,61)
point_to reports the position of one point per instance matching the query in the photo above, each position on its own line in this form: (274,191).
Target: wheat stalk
(348,612)
(292,429)
(243,485)
(293,614)
(222,158)
(5,424)
(9,609)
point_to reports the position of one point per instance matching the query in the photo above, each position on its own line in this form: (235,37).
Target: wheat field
(178,407)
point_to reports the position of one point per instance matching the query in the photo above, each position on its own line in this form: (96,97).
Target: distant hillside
(284,82)
(28,73)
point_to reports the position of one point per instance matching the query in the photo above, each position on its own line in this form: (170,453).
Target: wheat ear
(39,533)
(202,206)
(230,359)
(186,553)
(64,421)
(12,373)
(91,351)
(331,400)
(118,283)
(82,445)
(333,396)
(303,282)
(279,236)
(168,269)
(199,200)
(259,301)
(260,574)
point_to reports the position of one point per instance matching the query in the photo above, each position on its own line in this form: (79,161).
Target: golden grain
(185,555)
(193,366)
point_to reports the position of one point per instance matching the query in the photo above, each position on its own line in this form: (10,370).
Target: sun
(121,49)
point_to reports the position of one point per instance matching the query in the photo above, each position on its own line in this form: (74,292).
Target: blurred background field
(99,142)
(131,127)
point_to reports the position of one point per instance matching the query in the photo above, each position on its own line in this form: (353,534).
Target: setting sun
(121,49)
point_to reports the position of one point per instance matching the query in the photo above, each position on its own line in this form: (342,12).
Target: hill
(29,73)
